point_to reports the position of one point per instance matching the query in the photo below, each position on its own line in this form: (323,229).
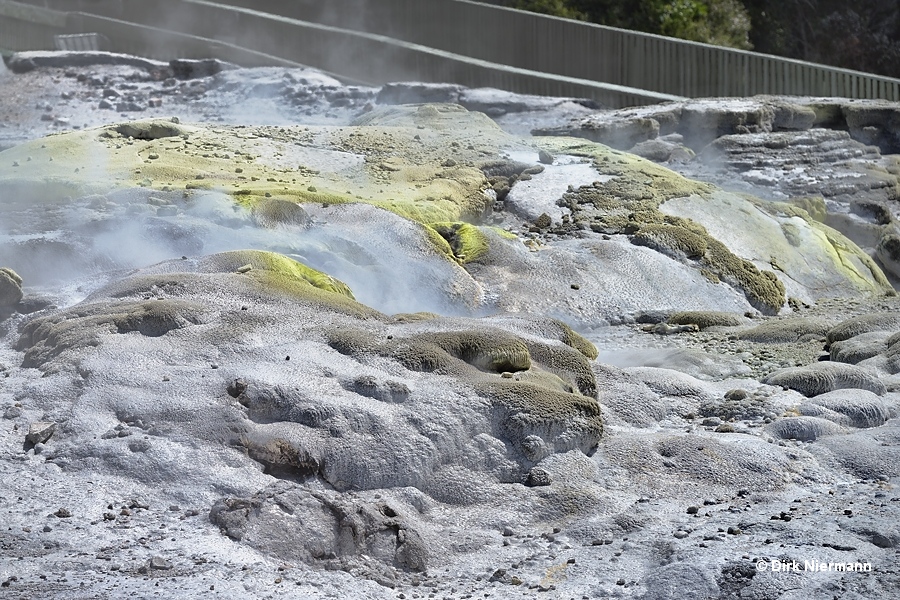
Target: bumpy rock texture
(834,158)
(398,349)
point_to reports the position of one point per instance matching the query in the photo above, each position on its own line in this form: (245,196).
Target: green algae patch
(566,421)
(533,388)
(506,235)
(727,237)
(672,240)
(686,240)
(566,363)
(744,235)
(284,271)
(10,288)
(467,242)
(813,205)
(634,183)
(704,319)
(488,351)
(846,257)
(787,331)
(628,202)
(272,212)
(538,404)
(325,165)
(45,338)
(763,289)
(452,203)
(428,175)
(103,159)
(57,167)
(575,340)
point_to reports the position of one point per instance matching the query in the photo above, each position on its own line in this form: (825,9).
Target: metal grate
(80,42)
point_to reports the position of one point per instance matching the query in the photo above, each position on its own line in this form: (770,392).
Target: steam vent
(271,332)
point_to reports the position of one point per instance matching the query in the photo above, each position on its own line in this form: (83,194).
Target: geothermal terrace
(267,335)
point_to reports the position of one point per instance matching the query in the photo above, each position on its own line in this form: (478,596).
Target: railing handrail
(581,50)
(540,54)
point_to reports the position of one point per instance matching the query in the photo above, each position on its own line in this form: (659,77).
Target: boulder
(10,288)
(40,432)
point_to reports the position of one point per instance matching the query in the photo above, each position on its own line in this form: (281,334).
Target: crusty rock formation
(10,288)
(411,353)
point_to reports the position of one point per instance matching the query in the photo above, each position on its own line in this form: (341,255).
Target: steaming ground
(309,375)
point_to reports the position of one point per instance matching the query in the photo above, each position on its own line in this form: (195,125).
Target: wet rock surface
(834,158)
(277,335)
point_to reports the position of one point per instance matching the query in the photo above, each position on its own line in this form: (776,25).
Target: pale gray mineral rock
(40,432)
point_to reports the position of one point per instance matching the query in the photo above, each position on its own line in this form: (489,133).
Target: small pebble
(160,563)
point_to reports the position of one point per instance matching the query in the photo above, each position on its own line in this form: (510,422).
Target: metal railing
(585,50)
(25,27)
(167,29)
(80,42)
(458,41)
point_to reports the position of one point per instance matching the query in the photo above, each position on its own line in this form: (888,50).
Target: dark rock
(129,107)
(40,432)
(874,123)
(543,221)
(140,445)
(656,150)
(888,253)
(537,477)
(737,404)
(22,62)
(236,388)
(417,93)
(499,575)
(183,68)
(736,395)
